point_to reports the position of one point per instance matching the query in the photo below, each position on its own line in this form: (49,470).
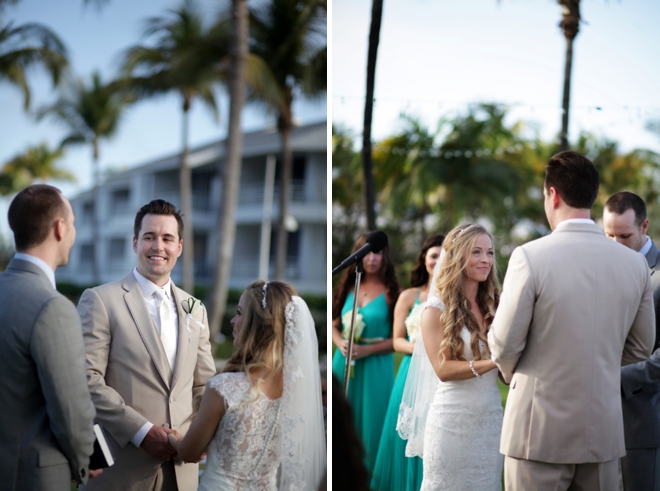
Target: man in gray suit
(46,435)
(575,307)
(625,221)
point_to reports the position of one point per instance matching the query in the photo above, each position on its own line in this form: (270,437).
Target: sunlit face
(480,260)
(237,320)
(431,259)
(624,230)
(157,247)
(372,262)
(69,233)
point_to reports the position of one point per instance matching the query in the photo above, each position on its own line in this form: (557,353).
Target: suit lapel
(184,335)
(145,326)
(652,257)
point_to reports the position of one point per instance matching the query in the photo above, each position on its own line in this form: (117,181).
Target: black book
(102,456)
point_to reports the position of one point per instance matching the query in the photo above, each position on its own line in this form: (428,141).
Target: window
(87,212)
(201,190)
(120,200)
(87,257)
(117,253)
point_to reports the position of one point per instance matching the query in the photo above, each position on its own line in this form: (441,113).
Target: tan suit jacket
(131,381)
(575,307)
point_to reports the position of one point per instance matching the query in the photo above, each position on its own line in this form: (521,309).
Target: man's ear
(645,226)
(555,198)
(58,227)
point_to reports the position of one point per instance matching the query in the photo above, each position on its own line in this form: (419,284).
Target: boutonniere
(191,307)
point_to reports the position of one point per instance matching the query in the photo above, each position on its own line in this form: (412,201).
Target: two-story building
(122,194)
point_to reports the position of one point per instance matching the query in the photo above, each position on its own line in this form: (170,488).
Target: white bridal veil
(303,438)
(421,384)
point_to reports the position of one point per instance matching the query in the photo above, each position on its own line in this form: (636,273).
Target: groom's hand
(157,445)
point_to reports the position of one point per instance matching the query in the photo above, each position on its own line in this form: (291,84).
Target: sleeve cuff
(139,436)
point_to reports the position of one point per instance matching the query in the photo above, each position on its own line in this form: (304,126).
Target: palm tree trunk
(96,218)
(186,206)
(285,191)
(563,136)
(570,25)
(231,168)
(367,166)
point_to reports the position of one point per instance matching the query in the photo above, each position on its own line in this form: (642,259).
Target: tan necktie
(167,329)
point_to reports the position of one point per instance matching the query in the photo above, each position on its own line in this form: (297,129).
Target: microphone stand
(347,372)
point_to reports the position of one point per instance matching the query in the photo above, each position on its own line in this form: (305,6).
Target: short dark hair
(623,201)
(32,213)
(574,177)
(419,276)
(158,207)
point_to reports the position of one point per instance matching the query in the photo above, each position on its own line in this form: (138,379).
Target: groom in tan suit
(575,307)
(147,361)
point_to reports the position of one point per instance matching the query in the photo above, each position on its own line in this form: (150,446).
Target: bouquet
(414,322)
(357,331)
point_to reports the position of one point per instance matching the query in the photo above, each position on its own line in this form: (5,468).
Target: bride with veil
(261,417)
(451,412)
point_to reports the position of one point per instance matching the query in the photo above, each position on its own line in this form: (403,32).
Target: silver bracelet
(476,374)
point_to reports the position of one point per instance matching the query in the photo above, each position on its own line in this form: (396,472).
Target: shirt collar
(583,221)
(646,247)
(148,287)
(40,263)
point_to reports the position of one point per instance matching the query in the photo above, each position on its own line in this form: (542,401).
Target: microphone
(376,242)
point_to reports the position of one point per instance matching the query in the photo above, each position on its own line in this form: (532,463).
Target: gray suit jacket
(46,412)
(131,381)
(575,307)
(640,382)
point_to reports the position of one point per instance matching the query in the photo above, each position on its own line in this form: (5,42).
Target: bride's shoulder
(435,302)
(229,383)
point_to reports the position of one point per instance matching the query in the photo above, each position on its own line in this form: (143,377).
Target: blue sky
(95,40)
(437,56)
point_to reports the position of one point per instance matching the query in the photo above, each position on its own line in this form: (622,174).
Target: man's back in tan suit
(574,308)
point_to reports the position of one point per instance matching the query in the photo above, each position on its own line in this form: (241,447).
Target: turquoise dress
(393,470)
(369,389)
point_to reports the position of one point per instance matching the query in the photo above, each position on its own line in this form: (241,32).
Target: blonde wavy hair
(449,279)
(261,338)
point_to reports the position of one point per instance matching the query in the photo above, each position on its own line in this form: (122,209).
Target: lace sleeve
(434,302)
(232,386)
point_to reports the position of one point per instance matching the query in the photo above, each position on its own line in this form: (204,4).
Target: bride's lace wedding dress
(462,432)
(245,451)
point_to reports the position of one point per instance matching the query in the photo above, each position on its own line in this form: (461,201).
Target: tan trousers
(526,475)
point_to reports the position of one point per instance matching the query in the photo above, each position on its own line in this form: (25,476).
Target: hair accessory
(263,300)
(461,231)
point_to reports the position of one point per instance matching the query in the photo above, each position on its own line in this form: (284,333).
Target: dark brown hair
(623,201)
(32,213)
(419,276)
(574,177)
(347,281)
(158,207)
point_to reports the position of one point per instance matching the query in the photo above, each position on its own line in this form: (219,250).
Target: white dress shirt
(148,288)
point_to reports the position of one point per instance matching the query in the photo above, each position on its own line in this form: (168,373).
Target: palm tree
(570,24)
(91,113)
(37,163)
(25,46)
(171,64)
(289,35)
(232,164)
(367,165)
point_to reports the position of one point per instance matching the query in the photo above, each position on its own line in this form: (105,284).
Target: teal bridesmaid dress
(370,388)
(393,470)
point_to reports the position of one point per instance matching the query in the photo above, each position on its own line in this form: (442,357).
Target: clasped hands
(359,351)
(157,445)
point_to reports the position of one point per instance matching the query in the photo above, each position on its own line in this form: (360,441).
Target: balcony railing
(253,194)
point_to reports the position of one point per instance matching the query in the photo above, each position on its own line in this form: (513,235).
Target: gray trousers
(640,469)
